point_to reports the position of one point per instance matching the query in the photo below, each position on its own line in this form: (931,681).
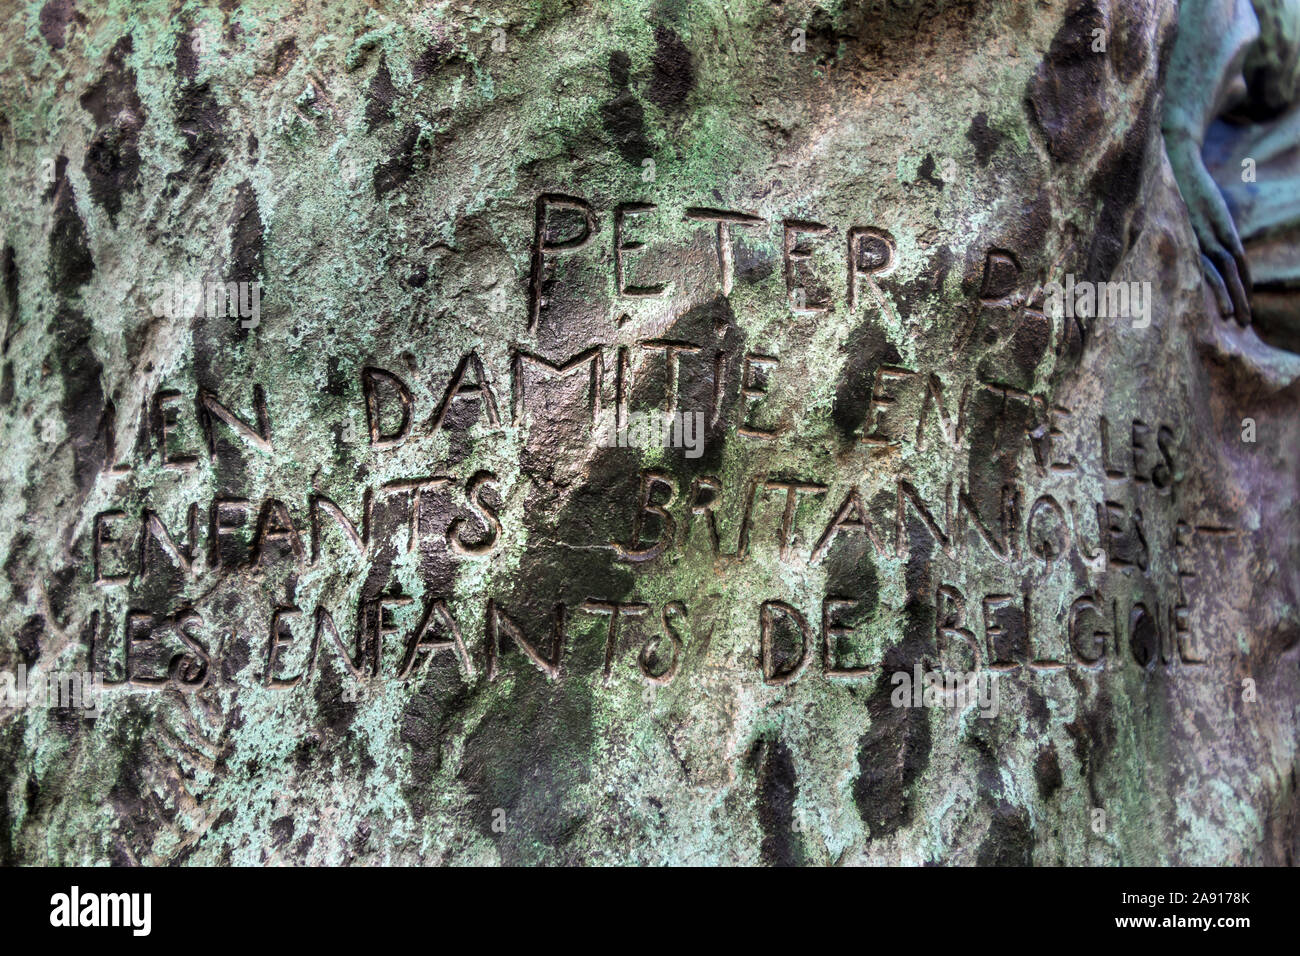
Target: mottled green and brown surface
(377,168)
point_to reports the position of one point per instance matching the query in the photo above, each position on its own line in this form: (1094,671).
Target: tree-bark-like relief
(646,432)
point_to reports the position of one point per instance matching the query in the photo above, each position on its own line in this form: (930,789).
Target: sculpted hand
(1223,257)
